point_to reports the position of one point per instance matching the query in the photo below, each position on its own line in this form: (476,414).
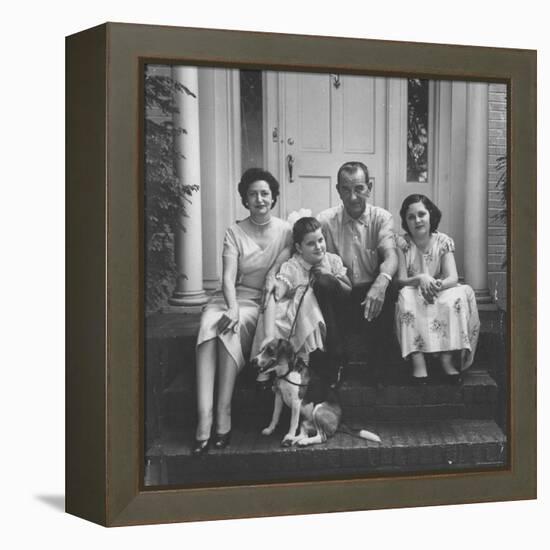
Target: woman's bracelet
(389,277)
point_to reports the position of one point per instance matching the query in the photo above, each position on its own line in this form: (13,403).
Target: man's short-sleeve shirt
(359,242)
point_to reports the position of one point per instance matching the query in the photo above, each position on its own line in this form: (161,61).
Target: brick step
(407,447)
(170,345)
(174,358)
(476,398)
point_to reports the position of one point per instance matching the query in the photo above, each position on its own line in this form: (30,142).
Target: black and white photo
(326,275)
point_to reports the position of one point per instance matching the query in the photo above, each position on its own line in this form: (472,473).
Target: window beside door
(417,130)
(251,119)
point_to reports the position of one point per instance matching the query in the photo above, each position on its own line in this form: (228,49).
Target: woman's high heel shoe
(221,441)
(201,447)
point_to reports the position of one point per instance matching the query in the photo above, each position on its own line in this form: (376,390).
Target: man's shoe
(419,380)
(453,379)
(263,385)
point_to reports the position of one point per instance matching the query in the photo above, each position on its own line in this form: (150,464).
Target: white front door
(323,121)
(315,122)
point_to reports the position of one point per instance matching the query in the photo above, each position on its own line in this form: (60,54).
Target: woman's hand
(280,290)
(229,321)
(429,287)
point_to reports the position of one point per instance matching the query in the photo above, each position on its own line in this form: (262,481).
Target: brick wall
(497,229)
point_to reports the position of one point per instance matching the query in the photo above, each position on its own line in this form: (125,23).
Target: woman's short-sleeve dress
(253,264)
(451,323)
(309,330)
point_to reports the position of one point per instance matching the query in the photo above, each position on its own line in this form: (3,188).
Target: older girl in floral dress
(434,314)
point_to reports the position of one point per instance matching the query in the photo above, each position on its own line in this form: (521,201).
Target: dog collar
(285,377)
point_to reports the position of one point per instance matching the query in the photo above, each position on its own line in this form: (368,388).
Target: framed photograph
(301,274)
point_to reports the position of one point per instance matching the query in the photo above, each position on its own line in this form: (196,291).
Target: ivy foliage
(501,216)
(501,168)
(165,194)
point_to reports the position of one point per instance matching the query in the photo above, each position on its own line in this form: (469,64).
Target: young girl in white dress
(434,314)
(293,312)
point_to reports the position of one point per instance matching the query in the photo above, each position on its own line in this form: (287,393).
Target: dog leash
(306,288)
(285,377)
(290,334)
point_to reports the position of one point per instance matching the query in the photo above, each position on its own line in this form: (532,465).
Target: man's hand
(229,321)
(374,300)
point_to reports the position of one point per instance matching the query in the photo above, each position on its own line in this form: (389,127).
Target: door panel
(359,115)
(313,112)
(324,125)
(313,192)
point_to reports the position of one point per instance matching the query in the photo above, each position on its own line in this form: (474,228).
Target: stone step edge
(469,379)
(454,446)
(394,435)
(477,387)
(352,414)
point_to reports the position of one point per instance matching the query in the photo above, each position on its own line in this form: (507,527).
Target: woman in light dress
(252,247)
(434,314)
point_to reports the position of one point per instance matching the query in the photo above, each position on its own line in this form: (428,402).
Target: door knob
(290,164)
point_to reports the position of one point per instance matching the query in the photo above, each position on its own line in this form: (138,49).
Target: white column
(188,242)
(220,121)
(476,191)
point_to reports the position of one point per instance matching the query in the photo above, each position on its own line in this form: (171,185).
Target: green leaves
(165,194)
(502,174)
(501,169)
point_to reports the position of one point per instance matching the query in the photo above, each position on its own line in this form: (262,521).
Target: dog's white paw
(267,431)
(302,442)
(289,440)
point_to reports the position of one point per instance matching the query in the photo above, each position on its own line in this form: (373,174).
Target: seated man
(362,235)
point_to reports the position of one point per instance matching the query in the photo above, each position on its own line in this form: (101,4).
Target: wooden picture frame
(104,370)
